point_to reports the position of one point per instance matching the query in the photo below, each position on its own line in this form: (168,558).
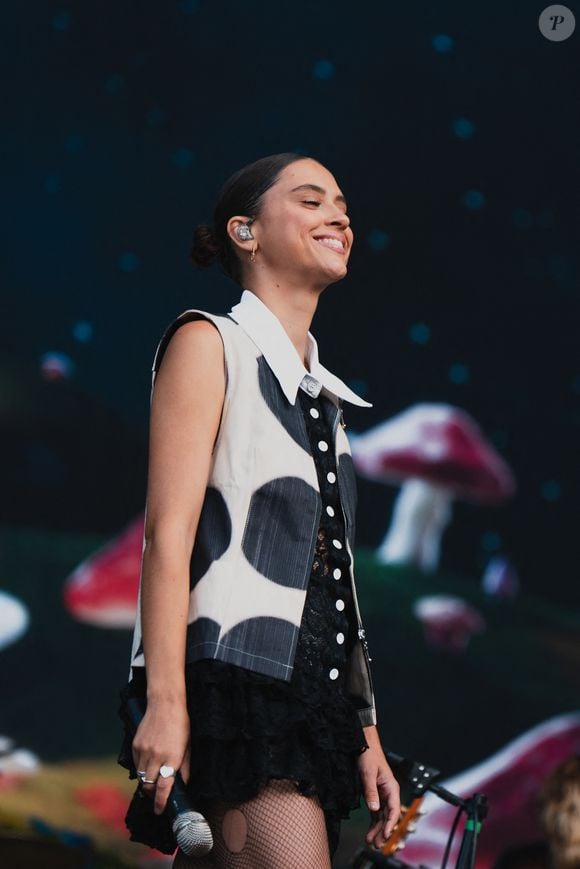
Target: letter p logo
(557,23)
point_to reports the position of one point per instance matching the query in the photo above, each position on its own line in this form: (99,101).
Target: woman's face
(303,230)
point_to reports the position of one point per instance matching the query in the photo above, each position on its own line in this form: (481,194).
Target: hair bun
(204,246)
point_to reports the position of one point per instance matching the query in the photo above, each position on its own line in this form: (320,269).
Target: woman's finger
(148,777)
(186,765)
(165,782)
(393,809)
(375,827)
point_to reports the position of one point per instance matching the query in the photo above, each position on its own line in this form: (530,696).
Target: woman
(257,680)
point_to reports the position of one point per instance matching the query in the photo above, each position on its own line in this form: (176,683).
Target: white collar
(269,335)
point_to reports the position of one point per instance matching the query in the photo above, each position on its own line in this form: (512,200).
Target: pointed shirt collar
(269,335)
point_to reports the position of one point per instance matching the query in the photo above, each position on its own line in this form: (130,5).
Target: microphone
(191,830)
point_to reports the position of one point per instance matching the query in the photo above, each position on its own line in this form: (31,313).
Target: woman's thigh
(280,828)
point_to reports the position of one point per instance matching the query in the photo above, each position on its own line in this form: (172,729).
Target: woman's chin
(324,273)
(335,271)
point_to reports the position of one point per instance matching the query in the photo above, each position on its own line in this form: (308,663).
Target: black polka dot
(202,638)
(214,532)
(288,415)
(265,636)
(279,537)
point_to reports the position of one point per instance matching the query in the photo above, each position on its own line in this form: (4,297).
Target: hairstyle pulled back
(241,194)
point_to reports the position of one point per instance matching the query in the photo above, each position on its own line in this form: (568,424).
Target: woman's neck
(295,310)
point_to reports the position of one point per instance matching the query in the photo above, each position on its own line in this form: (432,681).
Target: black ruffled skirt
(247,728)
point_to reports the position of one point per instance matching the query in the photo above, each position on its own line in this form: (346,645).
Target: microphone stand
(417,779)
(475,807)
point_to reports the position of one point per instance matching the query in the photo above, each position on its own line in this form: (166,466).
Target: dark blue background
(458,157)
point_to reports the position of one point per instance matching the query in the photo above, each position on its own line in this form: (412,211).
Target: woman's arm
(186,407)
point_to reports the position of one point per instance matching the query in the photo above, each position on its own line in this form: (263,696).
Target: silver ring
(166,771)
(142,777)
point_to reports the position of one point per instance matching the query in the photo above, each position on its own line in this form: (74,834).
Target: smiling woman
(284,224)
(249,650)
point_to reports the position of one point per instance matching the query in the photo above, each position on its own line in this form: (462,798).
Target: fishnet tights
(280,828)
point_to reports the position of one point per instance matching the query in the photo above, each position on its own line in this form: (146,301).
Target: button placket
(332,552)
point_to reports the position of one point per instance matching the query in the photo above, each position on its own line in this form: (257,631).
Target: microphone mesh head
(193,834)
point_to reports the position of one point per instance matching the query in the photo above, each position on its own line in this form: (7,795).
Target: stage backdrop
(453,132)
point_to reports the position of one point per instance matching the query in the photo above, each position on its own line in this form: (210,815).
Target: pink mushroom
(448,622)
(438,452)
(511,780)
(103,589)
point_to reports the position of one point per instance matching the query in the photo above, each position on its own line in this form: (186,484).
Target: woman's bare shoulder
(194,341)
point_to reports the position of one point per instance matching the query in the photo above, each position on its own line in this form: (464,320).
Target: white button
(331,477)
(337,543)
(339,604)
(337,572)
(340,638)
(314,413)
(311,386)
(322,445)
(330,510)
(333,673)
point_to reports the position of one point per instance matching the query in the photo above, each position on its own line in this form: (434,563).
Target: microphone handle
(178,801)
(191,830)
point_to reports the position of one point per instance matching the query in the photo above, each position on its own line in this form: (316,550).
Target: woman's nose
(342,218)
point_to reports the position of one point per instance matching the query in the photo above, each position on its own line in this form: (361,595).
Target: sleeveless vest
(255,541)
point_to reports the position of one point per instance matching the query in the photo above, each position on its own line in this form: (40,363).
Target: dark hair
(241,194)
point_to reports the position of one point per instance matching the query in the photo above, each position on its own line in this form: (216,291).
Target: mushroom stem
(421,514)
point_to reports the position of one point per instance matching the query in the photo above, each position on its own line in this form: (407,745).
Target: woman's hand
(162,738)
(380,790)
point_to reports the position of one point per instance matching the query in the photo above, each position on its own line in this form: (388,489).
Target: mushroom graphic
(103,589)
(15,763)
(439,453)
(14,619)
(448,621)
(105,801)
(511,779)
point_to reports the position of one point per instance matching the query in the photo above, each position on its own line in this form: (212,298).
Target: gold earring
(253,254)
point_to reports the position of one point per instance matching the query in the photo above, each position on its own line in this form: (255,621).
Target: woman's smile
(332,242)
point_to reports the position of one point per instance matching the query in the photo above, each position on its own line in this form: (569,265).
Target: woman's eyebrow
(317,189)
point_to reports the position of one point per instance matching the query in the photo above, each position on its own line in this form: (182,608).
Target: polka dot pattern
(213,536)
(270,591)
(274,526)
(202,638)
(266,636)
(328,628)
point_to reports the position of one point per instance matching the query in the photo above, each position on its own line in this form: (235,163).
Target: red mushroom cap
(511,779)
(448,621)
(439,444)
(103,589)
